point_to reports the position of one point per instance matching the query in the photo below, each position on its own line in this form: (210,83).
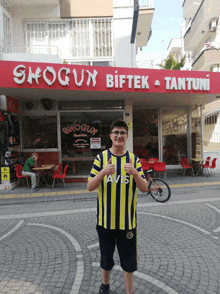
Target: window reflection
(174,132)
(145,133)
(39,132)
(83,136)
(196,133)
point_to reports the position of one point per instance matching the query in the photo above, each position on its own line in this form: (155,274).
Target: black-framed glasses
(122,133)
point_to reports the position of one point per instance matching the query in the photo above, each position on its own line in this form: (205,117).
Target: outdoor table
(44,172)
(198,165)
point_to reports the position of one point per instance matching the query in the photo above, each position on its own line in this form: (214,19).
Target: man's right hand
(109,168)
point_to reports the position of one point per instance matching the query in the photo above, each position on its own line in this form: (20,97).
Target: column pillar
(129,121)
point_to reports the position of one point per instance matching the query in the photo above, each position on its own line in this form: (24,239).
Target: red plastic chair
(186,166)
(19,175)
(153,159)
(205,166)
(145,166)
(58,171)
(58,176)
(213,166)
(160,166)
(142,159)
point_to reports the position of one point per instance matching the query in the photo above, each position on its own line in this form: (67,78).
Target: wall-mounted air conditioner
(213,24)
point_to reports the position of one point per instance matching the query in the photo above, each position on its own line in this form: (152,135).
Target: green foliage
(172,63)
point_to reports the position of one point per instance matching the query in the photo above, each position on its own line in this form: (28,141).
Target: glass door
(145,132)
(174,135)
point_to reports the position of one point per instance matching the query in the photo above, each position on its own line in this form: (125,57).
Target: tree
(172,63)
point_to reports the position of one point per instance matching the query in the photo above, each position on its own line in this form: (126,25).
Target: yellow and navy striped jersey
(117,193)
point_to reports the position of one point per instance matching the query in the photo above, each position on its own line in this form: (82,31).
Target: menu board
(95,143)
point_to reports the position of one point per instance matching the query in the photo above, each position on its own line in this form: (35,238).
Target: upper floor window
(212,119)
(6,25)
(215,68)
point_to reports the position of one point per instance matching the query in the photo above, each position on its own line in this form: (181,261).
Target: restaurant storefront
(65,111)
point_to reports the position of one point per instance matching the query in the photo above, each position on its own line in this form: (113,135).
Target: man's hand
(109,168)
(129,168)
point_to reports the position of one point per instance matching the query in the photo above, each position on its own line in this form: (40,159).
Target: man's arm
(140,182)
(93,183)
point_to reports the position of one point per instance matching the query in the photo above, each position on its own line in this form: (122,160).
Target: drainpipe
(201,130)
(133,32)
(160,135)
(189,133)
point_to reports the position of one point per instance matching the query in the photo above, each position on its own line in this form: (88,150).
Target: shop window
(39,132)
(83,136)
(196,137)
(174,135)
(145,130)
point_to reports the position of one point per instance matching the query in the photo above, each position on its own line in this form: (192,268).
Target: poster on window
(78,135)
(95,143)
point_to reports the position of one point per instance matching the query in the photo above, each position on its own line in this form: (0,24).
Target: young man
(116,173)
(27,170)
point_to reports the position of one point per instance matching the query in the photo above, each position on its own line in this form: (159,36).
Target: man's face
(36,156)
(119,136)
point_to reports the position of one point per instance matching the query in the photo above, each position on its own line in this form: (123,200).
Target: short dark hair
(119,124)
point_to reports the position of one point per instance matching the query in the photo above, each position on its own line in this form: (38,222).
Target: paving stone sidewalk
(53,249)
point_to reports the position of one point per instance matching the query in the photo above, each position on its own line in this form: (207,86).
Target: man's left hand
(129,168)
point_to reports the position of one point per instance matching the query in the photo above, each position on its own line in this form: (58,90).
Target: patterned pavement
(48,243)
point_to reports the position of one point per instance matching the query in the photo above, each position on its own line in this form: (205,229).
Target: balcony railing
(207,46)
(35,49)
(81,38)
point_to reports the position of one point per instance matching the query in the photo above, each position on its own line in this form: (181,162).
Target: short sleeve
(139,168)
(96,167)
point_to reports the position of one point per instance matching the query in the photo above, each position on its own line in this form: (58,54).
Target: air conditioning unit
(213,24)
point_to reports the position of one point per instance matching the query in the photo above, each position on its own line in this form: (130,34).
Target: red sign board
(111,79)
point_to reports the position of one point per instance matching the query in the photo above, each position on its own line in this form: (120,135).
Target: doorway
(145,133)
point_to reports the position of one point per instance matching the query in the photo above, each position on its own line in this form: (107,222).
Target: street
(52,246)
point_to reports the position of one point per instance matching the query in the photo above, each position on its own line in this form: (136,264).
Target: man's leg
(33,180)
(127,249)
(37,179)
(107,247)
(128,278)
(32,176)
(105,277)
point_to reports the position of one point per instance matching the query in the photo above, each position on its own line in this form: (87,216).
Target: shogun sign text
(84,78)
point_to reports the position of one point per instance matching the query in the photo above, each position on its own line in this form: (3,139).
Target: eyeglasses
(116,133)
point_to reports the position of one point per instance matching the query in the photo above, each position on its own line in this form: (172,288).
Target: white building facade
(88,33)
(200,41)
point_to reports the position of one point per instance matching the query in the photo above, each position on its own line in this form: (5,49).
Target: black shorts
(126,242)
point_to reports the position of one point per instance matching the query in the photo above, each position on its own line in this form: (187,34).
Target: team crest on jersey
(118,179)
(129,235)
